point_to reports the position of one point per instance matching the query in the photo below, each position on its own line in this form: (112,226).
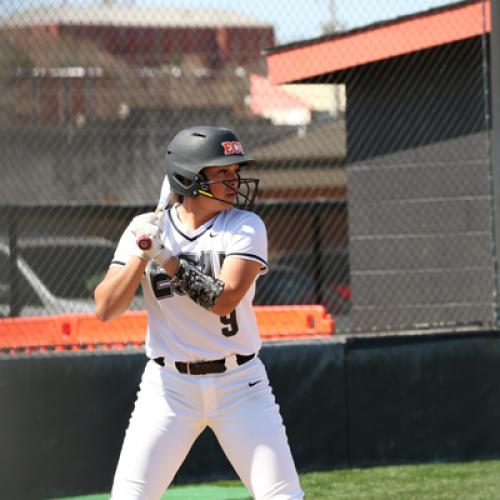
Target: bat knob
(144,243)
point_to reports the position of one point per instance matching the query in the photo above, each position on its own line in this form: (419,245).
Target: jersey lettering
(229,322)
(230,327)
(160,282)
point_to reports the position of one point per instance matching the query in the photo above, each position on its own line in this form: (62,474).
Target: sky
(294,20)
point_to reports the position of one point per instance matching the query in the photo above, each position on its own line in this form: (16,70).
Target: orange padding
(293,321)
(85,331)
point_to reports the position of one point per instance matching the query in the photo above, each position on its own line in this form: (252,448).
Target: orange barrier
(301,321)
(85,331)
(70,330)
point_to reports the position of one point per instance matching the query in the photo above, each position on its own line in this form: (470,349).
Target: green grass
(456,481)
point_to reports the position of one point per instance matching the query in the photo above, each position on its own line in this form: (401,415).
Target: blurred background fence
(375,164)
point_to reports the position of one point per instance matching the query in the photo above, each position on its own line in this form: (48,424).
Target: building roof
(316,143)
(305,165)
(331,54)
(129,15)
(44,55)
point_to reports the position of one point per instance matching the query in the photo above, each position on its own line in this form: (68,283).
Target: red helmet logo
(232,148)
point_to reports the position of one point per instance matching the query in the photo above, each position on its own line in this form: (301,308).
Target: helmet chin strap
(208,194)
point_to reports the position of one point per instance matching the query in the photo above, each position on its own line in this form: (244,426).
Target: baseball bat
(144,242)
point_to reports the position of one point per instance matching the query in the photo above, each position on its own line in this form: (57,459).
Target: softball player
(198,262)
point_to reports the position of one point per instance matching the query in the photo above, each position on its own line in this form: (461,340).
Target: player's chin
(223,203)
(230,199)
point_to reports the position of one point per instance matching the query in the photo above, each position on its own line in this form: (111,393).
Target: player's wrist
(162,257)
(137,252)
(171,266)
(142,257)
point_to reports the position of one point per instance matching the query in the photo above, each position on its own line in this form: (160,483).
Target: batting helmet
(193,149)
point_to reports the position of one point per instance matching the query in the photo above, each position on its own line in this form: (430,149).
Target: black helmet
(193,149)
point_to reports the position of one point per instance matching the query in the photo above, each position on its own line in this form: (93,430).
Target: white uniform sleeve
(249,240)
(127,246)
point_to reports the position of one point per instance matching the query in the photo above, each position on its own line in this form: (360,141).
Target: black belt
(205,367)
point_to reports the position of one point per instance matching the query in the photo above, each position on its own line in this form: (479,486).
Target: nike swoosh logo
(251,384)
(213,235)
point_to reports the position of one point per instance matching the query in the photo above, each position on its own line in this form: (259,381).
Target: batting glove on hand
(136,223)
(147,232)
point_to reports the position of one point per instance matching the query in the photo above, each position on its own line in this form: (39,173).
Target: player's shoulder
(236,216)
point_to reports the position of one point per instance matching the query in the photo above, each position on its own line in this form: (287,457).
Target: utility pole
(332,25)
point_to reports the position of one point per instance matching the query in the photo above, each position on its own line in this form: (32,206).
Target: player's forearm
(115,293)
(237,276)
(227,301)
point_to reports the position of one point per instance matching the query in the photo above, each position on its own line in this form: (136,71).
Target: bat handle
(144,243)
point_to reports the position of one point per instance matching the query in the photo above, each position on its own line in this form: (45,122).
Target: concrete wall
(346,402)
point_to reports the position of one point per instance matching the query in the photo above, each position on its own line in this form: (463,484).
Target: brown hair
(177,198)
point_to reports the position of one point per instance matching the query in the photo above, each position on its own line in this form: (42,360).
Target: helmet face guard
(246,192)
(193,149)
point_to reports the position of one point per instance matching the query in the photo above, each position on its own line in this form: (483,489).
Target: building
(147,36)
(295,104)
(419,173)
(70,65)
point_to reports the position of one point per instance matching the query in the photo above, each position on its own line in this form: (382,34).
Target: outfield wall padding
(62,420)
(421,399)
(345,401)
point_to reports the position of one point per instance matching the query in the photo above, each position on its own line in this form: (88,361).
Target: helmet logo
(232,148)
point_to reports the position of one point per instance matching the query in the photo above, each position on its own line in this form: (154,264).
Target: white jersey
(178,328)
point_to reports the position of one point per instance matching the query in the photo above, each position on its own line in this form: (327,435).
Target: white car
(55,275)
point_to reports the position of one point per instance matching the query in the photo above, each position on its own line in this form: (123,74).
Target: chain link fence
(375,177)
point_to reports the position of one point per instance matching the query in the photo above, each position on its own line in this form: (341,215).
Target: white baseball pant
(171,411)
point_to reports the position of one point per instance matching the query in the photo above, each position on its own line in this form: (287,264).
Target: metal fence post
(14,305)
(494,110)
(317,252)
